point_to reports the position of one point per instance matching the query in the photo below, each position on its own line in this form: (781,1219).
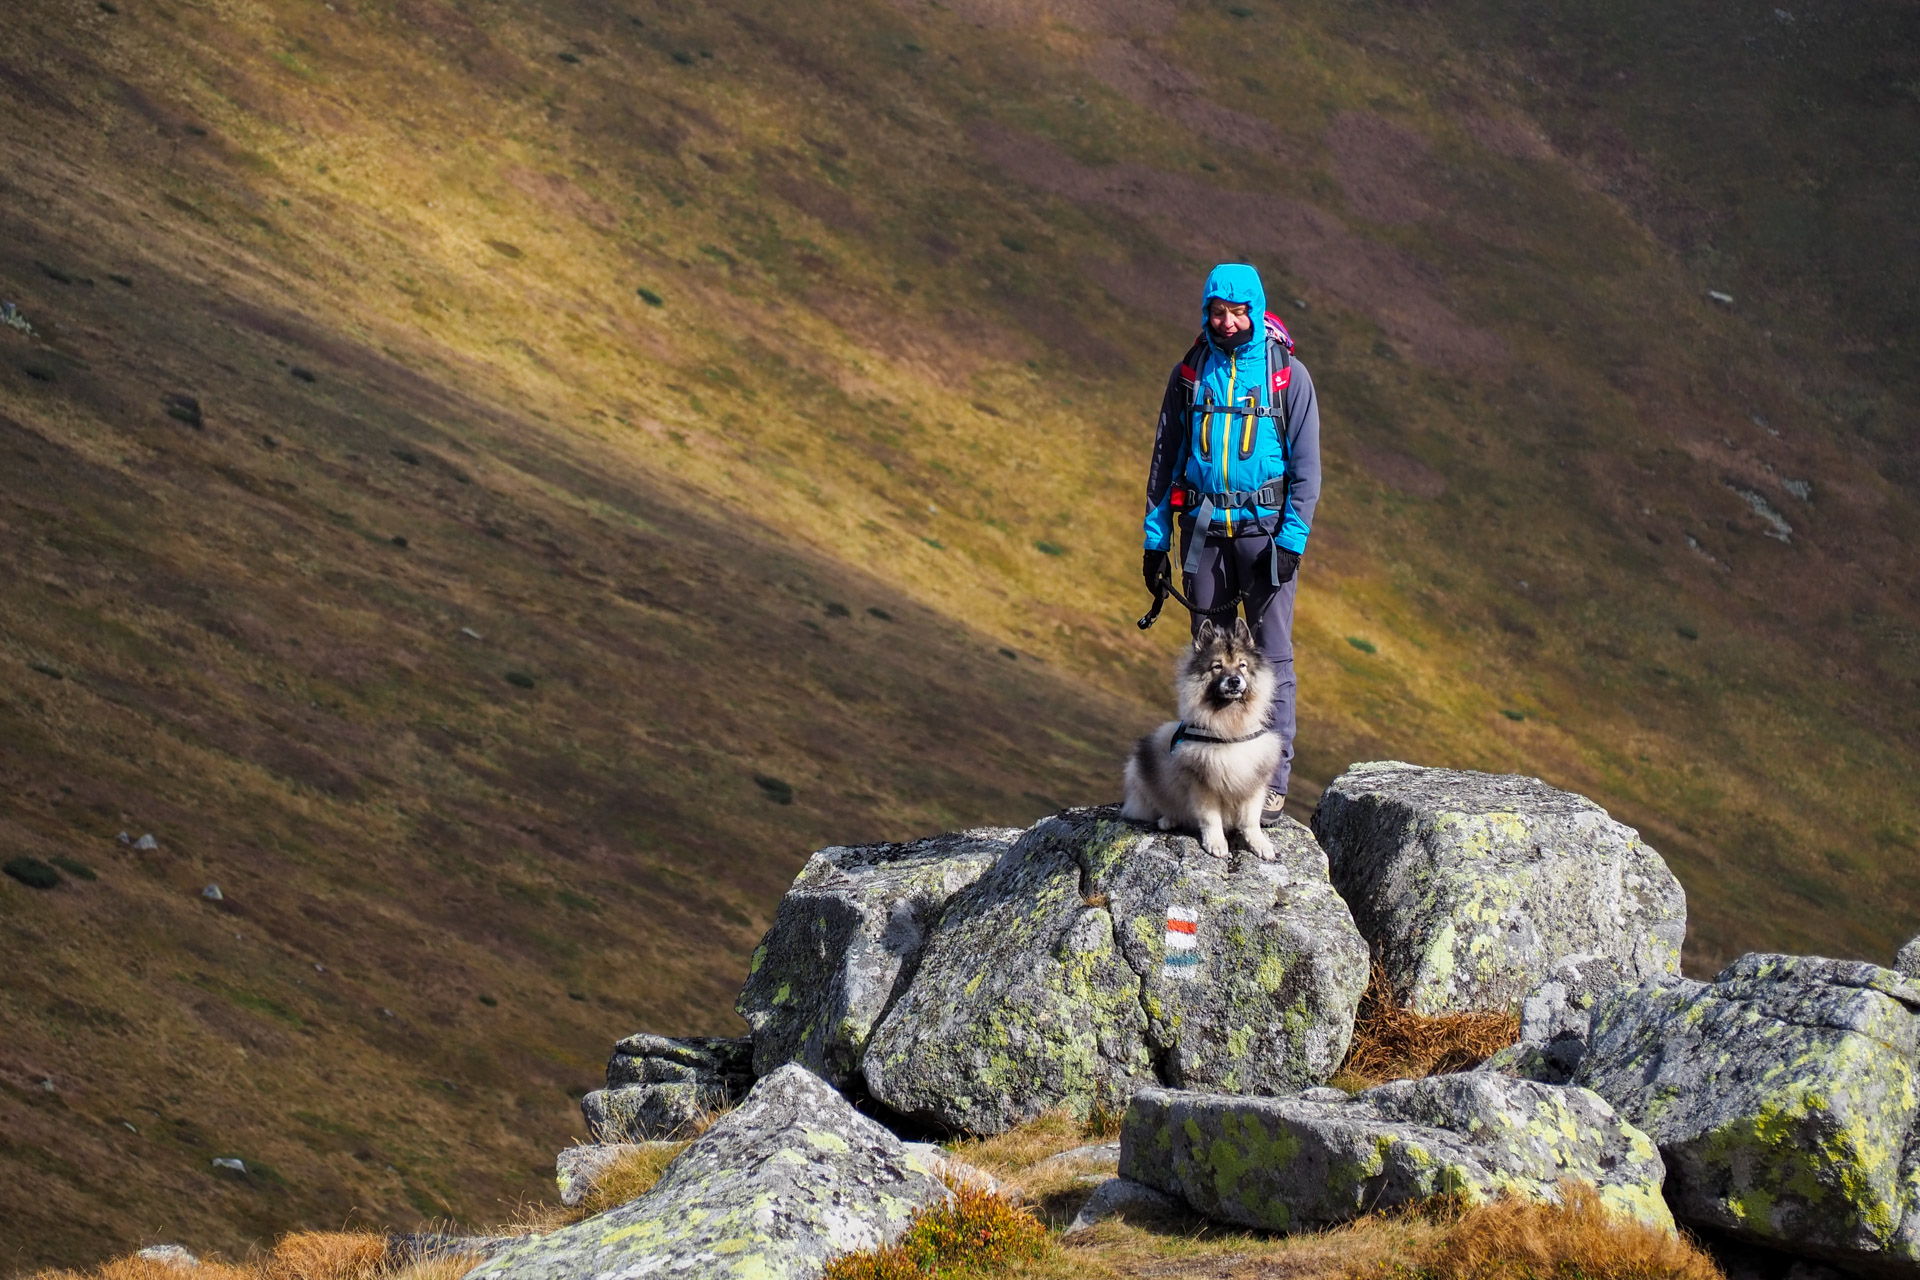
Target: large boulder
(660,1087)
(791,1179)
(1555,1019)
(1471,887)
(1099,957)
(1783,1098)
(845,942)
(1292,1164)
(1908,961)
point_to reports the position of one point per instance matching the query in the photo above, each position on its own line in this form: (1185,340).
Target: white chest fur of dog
(1208,771)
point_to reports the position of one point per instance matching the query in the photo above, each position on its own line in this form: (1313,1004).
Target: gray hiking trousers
(1227,565)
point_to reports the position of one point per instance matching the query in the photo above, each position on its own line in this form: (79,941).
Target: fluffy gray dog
(1208,770)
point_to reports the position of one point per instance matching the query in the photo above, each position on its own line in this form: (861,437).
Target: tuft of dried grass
(1023,1146)
(134,1267)
(1576,1239)
(326,1255)
(446,1267)
(1393,1042)
(629,1177)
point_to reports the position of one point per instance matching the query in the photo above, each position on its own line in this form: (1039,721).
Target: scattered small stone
(11,317)
(184,408)
(48,1085)
(1778,528)
(1801,489)
(319,968)
(1724,299)
(146,843)
(212,893)
(124,838)
(470,633)
(128,1127)
(386,1013)
(1121,1196)
(171,1255)
(230,1162)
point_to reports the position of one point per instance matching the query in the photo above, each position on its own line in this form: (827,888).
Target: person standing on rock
(1236,465)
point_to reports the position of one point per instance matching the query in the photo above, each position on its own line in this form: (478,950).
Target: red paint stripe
(1182,926)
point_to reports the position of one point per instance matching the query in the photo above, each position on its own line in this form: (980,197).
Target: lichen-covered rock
(1470,887)
(1783,1097)
(845,942)
(1099,956)
(1290,1164)
(1554,1021)
(1908,961)
(791,1179)
(658,1087)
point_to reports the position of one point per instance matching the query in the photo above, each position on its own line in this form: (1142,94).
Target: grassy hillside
(639,444)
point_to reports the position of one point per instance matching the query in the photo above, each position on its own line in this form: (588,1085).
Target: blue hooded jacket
(1236,460)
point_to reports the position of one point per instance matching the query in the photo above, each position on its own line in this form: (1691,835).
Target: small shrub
(1511,714)
(520,679)
(1049,548)
(489,1001)
(1392,1042)
(651,298)
(837,610)
(631,1176)
(1364,646)
(879,613)
(777,790)
(32,873)
(979,1231)
(75,868)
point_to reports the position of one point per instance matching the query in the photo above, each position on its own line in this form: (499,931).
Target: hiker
(1236,461)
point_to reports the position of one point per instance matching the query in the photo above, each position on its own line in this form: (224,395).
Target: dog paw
(1165,824)
(1261,846)
(1216,846)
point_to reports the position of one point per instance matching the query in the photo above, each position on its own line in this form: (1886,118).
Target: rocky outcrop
(1288,1164)
(1908,961)
(1098,957)
(774,1190)
(658,1087)
(847,939)
(1783,1097)
(1471,887)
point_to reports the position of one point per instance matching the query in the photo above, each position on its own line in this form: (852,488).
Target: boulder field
(967,982)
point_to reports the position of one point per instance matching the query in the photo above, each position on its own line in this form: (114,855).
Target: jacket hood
(1235,282)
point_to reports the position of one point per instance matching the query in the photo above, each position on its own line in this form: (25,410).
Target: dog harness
(1183,734)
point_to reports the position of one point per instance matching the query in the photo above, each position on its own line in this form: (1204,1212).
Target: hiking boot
(1275,806)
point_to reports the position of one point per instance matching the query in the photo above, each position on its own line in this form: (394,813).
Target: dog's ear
(1206,635)
(1241,634)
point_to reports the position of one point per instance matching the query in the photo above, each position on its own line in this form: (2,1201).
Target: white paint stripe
(1188,914)
(1181,942)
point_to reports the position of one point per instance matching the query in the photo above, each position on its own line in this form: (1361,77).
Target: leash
(1168,589)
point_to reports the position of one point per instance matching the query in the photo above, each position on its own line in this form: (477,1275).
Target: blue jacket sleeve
(1169,457)
(1303,472)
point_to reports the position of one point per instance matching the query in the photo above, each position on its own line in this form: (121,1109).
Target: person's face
(1228,320)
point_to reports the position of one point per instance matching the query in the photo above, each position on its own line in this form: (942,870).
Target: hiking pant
(1227,565)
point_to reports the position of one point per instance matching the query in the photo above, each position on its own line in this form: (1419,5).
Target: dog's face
(1222,668)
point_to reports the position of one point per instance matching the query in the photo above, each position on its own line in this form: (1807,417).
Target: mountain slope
(767,391)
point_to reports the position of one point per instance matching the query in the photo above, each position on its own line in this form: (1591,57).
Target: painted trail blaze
(1183,950)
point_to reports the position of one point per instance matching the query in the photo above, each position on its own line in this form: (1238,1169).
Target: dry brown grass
(299,1255)
(1393,1042)
(1020,1148)
(630,1177)
(1577,1239)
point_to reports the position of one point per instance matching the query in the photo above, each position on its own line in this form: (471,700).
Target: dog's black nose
(1233,686)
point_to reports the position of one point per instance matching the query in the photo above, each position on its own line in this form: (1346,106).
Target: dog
(1209,770)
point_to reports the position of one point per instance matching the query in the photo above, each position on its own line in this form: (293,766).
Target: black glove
(1153,568)
(1286,563)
